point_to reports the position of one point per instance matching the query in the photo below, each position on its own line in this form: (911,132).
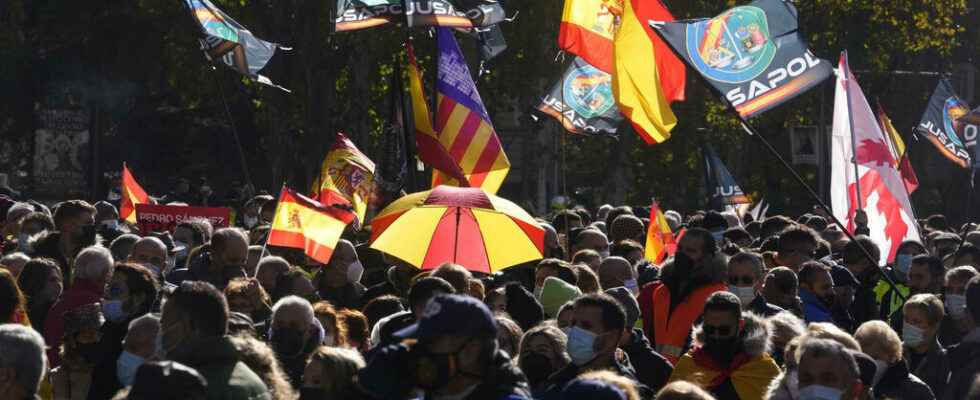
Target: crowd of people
(778,308)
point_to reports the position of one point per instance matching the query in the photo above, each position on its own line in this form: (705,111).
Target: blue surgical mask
(956,305)
(113,310)
(581,345)
(912,335)
(820,392)
(126,367)
(903,262)
(745,294)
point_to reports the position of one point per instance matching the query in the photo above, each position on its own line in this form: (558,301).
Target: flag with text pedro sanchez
(583,101)
(230,43)
(361,14)
(943,124)
(752,55)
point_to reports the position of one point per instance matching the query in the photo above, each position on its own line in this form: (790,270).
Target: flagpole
(850,122)
(234,130)
(272,224)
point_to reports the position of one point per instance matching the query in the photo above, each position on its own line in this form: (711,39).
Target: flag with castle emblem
(304,223)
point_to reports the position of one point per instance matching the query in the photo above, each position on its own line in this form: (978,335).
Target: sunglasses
(741,280)
(719,330)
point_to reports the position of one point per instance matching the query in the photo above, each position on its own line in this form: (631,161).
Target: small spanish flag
(304,223)
(660,239)
(132,194)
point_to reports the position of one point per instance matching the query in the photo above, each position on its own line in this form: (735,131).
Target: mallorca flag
(899,151)
(660,239)
(304,223)
(588,28)
(463,123)
(132,194)
(346,178)
(430,150)
(647,73)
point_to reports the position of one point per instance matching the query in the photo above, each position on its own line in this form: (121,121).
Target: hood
(713,270)
(755,335)
(555,294)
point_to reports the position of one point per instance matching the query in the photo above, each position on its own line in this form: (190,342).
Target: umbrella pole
(456,237)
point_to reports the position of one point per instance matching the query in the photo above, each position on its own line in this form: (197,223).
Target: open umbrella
(466,226)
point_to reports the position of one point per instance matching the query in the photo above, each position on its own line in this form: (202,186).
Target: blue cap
(452,315)
(592,389)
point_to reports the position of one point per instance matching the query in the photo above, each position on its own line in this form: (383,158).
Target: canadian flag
(863,170)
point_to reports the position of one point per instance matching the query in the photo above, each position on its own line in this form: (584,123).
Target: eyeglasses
(741,280)
(719,330)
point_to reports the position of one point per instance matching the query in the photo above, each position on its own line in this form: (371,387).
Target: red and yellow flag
(430,150)
(346,177)
(132,194)
(588,28)
(648,75)
(660,239)
(899,151)
(304,223)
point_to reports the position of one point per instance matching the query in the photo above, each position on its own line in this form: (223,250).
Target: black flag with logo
(583,101)
(752,55)
(943,122)
(722,188)
(352,15)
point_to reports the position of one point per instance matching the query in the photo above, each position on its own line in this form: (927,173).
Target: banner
(583,101)
(61,154)
(939,124)
(159,218)
(752,55)
(229,42)
(352,15)
(722,188)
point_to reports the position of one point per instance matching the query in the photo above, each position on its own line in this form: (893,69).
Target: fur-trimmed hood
(755,335)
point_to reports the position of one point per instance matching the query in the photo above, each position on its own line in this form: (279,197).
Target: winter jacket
(652,369)
(217,360)
(621,367)
(749,374)
(502,381)
(899,384)
(934,368)
(760,307)
(84,292)
(814,309)
(965,361)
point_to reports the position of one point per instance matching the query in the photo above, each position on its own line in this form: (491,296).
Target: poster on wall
(61,153)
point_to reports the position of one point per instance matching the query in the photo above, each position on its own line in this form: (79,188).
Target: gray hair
(93,263)
(24,354)
(786,326)
(19,210)
(272,262)
(293,302)
(819,348)
(142,332)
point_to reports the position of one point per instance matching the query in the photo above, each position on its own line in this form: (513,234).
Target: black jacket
(503,380)
(965,361)
(47,245)
(933,369)
(761,308)
(899,384)
(623,368)
(652,369)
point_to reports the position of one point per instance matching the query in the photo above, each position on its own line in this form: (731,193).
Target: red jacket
(81,293)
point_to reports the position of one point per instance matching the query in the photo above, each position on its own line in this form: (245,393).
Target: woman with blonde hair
(892,378)
(330,373)
(260,358)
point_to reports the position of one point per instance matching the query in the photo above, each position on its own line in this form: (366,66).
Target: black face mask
(433,371)
(312,393)
(86,235)
(288,342)
(722,350)
(536,367)
(92,353)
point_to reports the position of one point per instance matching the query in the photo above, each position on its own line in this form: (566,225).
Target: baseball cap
(452,315)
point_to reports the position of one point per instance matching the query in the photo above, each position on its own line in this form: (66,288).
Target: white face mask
(632,286)
(581,345)
(912,335)
(880,368)
(745,294)
(956,305)
(820,392)
(355,271)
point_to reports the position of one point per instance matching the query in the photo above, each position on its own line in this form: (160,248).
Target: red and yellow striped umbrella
(466,226)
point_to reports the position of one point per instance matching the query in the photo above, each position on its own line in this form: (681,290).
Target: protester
(555,293)
(385,305)
(588,257)
(357,334)
(123,245)
(14,262)
(816,292)
(892,379)
(218,262)
(330,374)
(745,279)
(965,357)
(41,283)
(295,282)
(587,389)
(796,245)
(827,370)
(785,327)
(552,268)
(80,353)
(269,270)
(781,288)
(93,268)
(652,369)
(588,281)
(419,295)
(865,307)
(22,362)
(294,334)
(682,390)
(508,335)
(151,253)
(543,351)
(193,329)
(334,332)
(926,357)
(617,272)
(247,297)
(889,298)
(169,380)
(670,307)
(75,220)
(957,323)
(13,306)
(139,346)
(522,307)
(335,283)
(730,357)
(260,358)
(591,239)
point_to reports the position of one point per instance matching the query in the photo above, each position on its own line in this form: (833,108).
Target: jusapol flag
(583,101)
(304,223)
(942,125)
(722,188)
(871,182)
(752,55)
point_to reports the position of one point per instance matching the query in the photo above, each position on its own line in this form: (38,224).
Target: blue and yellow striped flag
(463,124)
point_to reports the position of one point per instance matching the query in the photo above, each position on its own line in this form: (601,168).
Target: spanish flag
(132,194)
(346,177)
(647,73)
(899,151)
(304,223)
(430,150)
(660,239)
(588,28)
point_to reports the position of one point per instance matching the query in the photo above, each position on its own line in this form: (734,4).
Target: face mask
(956,305)
(183,253)
(880,368)
(355,271)
(113,310)
(328,340)
(249,221)
(110,225)
(86,236)
(820,392)
(537,367)
(91,352)
(719,236)
(745,294)
(722,350)
(433,371)
(288,341)
(902,264)
(912,335)
(632,286)
(126,367)
(581,346)
(604,254)
(312,393)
